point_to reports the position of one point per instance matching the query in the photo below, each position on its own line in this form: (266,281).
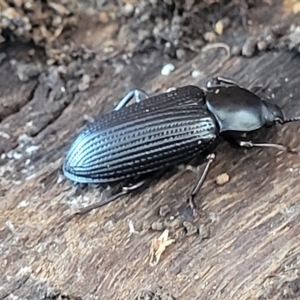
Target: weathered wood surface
(252,251)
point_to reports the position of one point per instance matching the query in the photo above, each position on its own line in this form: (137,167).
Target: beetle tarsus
(250,144)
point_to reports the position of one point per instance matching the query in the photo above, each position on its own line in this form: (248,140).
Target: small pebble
(249,47)
(210,37)
(222,179)
(31,52)
(10,13)
(236,50)
(167,69)
(221,25)
(85,83)
(4,135)
(23,203)
(17,155)
(103,17)
(180,54)
(50,62)
(128,10)
(197,277)
(88,118)
(32,149)
(196,73)
(261,45)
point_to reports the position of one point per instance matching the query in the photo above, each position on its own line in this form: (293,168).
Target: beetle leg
(249,144)
(125,190)
(226,80)
(211,157)
(85,210)
(215,81)
(138,94)
(130,188)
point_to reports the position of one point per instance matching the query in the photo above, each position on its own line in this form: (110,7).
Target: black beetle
(166,130)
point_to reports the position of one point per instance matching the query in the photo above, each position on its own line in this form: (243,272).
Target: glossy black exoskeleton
(166,130)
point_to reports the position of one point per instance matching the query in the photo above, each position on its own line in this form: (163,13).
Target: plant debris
(158,246)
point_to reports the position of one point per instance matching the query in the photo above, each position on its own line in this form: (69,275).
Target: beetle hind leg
(87,209)
(139,96)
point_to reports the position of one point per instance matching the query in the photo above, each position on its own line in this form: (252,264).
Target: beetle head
(238,109)
(272,113)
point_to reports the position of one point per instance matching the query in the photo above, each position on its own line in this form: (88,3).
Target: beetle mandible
(166,130)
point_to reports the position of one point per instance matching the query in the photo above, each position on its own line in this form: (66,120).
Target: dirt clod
(164,210)
(158,225)
(204,231)
(190,228)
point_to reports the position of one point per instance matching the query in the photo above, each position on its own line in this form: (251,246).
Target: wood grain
(252,251)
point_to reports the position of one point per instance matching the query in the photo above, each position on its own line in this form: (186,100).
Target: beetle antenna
(291,120)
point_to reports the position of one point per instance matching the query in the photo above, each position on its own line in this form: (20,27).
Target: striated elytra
(143,137)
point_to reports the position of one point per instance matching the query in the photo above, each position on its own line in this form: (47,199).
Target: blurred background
(68,29)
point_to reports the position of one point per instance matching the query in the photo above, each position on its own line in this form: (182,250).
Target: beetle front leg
(250,144)
(138,94)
